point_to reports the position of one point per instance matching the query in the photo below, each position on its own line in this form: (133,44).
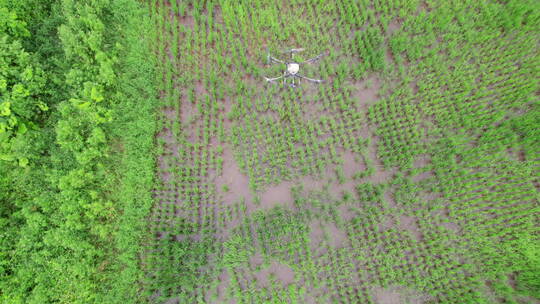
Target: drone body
(292,68)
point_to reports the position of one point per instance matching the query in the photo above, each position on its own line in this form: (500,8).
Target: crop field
(145,159)
(409,176)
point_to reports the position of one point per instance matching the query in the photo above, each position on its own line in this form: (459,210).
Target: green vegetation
(76,139)
(144,160)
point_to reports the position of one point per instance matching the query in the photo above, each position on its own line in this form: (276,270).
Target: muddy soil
(367,92)
(410,224)
(320,232)
(282,274)
(398,295)
(233,185)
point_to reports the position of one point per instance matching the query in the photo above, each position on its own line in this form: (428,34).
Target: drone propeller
(293,51)
(314,58)
(309,79)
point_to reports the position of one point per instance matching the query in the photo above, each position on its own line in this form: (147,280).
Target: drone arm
(314,58)
(274,79)
(275,60)
(309,79)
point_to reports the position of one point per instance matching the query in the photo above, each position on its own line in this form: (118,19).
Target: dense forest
(144,160)
(76,149)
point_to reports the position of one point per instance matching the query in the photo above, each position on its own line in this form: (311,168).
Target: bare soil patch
(327,184)
(233,185)
(311,183)
(451,226)
(224,281)
(170,113)
(380,175)
(389,198)
(338,238)
(422,161)
(410,224)
(281,272)
(398,295)
(320,231)
(187,21)
(422,176)
(279,194)
(256,260)
(393,26)
(346,213)
(188,112)
(383,296)
(352,164)
(367,92)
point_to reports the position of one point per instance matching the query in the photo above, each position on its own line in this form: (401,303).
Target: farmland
(149,162)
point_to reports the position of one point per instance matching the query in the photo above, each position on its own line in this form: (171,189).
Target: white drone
(292,67)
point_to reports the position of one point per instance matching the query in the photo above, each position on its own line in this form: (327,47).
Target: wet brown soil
(320,232)
(410,224)
(188,111)
(451,226)
(352,164)
(279,194)
(383,296)
(393,26)
(282,273)
(367,92)
(398,295)
(224,281)
(233,185)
